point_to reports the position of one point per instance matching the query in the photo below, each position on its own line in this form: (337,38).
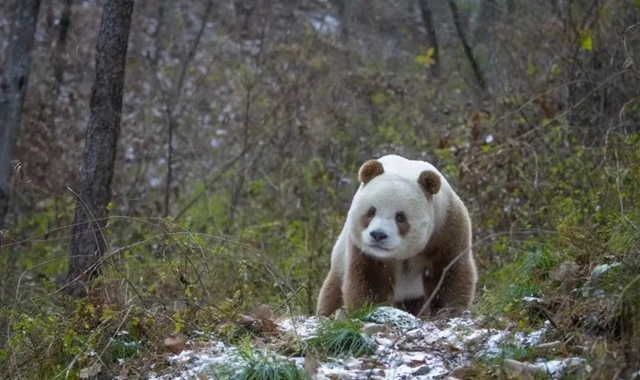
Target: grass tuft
(342,337)
(257,365)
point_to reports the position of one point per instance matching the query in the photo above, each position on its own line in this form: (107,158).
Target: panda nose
(378,235)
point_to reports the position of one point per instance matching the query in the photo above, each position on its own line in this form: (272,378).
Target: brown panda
(404,226)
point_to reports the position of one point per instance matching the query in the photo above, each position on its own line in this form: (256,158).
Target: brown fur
(367,217)
(429,181)
(368,279)
(369,170)
(403,227)
(330,298)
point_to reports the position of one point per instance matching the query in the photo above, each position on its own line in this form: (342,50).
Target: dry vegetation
(244,123)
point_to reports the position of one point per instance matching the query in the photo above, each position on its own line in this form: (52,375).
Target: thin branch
(427,304)
(170,108)
(465,45)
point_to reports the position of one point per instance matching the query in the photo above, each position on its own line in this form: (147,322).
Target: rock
(602,269)
(397,317)
(422,370)
(564,271)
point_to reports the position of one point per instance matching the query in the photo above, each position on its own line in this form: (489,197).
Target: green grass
(258,365)
(342,337)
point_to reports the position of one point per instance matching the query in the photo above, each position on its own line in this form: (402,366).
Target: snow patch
(396,317)
(410,349)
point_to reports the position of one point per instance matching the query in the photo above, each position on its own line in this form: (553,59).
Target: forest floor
(398,346)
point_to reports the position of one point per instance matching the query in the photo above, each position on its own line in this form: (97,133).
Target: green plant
(342,337)
(257,365)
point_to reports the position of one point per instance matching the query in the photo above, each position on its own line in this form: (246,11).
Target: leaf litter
(406,348)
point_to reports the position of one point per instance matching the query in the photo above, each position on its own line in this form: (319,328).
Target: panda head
(393,215)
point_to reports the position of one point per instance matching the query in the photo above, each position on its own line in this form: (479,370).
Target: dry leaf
(311,365)
(124,373)
(89,372)
(260,321)
(340,314)
(176,344)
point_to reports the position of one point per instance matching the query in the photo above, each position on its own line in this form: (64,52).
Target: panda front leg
(366,280)
(459,287)
(330,298)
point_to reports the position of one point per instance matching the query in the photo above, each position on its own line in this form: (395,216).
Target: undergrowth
(550,176)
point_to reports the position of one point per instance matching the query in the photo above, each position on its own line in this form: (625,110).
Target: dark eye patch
(367,217)
(403,223)
(371,212)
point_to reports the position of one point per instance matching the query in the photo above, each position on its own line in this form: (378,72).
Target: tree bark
(13,87)
(489,14)
(88,243)
(427,17)
(468,51)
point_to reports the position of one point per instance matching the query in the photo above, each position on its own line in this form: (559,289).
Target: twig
(453,262)
(170,107)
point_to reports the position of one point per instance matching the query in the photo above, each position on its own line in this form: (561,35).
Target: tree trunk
(427,17)
(465,45)
(13,86)
(489,13)
(88,242)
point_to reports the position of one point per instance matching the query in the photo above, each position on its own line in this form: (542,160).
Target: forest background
(243,125)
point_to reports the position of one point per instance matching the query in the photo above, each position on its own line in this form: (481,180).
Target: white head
(393,215)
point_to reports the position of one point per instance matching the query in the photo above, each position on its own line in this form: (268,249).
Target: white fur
(389,194)
(408,284)
(397,189)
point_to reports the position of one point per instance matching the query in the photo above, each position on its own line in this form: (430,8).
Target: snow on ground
(408,348)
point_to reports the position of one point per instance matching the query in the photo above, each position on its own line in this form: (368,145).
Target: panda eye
(401,217)
(371,212)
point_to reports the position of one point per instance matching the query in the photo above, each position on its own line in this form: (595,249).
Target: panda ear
(429,181)
(369,170)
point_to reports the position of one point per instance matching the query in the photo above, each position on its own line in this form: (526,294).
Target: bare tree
(427,17)
(468,51)
(88,243)
(172,104)
(13,86)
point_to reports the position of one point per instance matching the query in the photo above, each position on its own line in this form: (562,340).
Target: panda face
(393,218)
